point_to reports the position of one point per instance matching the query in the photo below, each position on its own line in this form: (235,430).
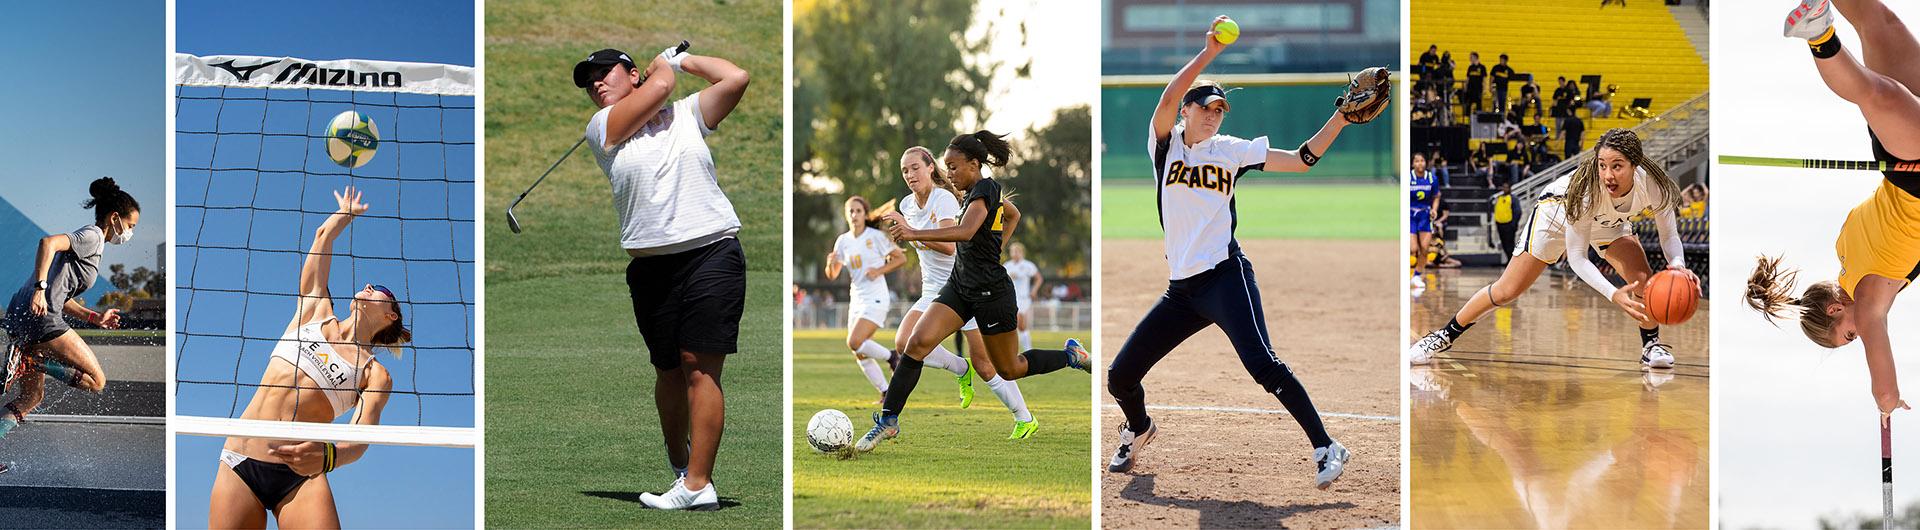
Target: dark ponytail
(984,147)
(109,199)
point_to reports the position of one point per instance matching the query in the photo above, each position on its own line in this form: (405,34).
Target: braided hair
(1584,191)
(1770,291)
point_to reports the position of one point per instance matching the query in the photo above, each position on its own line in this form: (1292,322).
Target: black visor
(1204,95)
(600,58)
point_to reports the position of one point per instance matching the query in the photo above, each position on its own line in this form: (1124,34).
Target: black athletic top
(1905,180)
(978,272)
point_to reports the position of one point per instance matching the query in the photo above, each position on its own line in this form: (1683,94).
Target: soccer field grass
(572,435)
(1270,211)
(950,467)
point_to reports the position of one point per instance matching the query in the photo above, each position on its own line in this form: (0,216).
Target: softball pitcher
(1210,282)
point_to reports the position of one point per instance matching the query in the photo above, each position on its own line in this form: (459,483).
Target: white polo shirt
(665,189)
(1196,195)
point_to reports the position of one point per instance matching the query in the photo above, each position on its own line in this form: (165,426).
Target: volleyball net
(254,182)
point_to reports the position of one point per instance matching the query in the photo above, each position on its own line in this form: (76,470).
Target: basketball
(1671,297)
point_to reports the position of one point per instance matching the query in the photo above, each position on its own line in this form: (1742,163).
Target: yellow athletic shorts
(1881,237)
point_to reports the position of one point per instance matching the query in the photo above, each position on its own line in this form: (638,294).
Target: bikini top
(308,350)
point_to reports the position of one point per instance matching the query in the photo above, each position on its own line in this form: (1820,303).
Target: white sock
(1026,341)
(874,376)
(946,360)
(1009,393)
(873,350)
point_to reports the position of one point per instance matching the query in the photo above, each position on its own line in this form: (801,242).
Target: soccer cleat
(882,430)
(680,498)
(1422,352)
(966,385)
(1332,460)
(1130,446)
(1812,19)
(1077,357)
(1024,429)
(1656,355)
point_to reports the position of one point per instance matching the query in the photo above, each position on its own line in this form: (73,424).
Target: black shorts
(995,312)
(689,301)
(271,483)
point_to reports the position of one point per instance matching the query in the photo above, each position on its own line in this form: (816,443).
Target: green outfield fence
(1286,108)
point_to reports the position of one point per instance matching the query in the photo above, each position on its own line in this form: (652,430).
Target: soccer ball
(352,139)
(829,431)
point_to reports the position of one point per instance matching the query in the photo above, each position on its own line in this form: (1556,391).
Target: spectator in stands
(1476,87)
(1601,106)
(1439,166)
(1425,109)
(1566,98)
(1694,201)
(1442,258)
(1443,77)
(1443,113)
(1530,100)
(1572,129)
(1478,166)
(1504,222)
(1501,75)
(1429,64)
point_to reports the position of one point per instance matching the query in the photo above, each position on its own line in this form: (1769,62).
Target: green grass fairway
(572,435)
(1277,211)
(570,412)
(950,468)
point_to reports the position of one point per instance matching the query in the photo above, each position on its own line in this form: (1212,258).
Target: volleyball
(352,139)
(830,431)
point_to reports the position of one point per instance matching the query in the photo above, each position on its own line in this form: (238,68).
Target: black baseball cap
(1204,95)
(598,59)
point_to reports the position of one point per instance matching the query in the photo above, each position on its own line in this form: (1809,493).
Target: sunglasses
(382,289)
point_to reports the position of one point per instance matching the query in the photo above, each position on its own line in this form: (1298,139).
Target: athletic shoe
(679,498)
(1810,20)
(1651,380)
(882,430)
(1024,429)
(1422,352)
(966,385)
(11,366)
(1656,355)
(1332,460)
(1130,446)
(1418,283)
(1077,357)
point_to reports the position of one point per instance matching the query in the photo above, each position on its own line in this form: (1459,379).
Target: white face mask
(122,239)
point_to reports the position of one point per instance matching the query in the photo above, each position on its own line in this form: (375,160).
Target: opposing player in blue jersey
(1209,281)
(1423,198)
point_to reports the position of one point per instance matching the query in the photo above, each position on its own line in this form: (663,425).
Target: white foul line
(1244,410)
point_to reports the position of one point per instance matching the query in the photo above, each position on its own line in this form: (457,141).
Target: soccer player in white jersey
(1026,281)
(866,255)
(1210,282)
(935,203)
(1592,207)
(688,276)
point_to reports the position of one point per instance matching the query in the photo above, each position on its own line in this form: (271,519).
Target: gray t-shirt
(73,271)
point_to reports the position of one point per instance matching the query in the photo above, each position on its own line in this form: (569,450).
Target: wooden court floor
(1542,417)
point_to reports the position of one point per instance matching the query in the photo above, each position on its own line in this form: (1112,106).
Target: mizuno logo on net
(298,73)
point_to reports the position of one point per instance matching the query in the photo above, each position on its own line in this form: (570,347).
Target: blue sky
(84,102)
(391,486)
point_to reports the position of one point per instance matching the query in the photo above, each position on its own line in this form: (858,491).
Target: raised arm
(315,302)
(729,84)
(1168,110)
(1285,161)
(641,106)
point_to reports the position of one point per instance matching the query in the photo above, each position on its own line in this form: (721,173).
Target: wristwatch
(40,285)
